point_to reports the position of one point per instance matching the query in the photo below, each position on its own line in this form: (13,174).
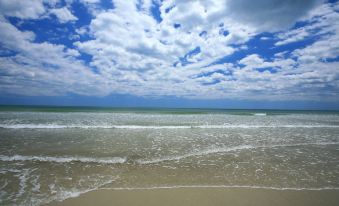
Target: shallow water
(46,156)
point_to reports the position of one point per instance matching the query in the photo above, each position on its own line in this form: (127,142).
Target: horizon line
(157,107)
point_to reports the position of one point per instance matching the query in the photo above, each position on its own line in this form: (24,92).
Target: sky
(174,53)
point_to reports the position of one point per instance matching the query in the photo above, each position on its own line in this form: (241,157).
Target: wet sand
(204,196)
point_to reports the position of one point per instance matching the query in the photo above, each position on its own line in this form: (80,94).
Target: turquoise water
(51,153)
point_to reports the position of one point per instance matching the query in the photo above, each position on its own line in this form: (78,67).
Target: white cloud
(133,53)
(13,37)
(326,48)
(327,45)
(134,50)
(42,68)
(292,36)
(34,9)
(31,9)
(63,15)
(252,60)
(321,21)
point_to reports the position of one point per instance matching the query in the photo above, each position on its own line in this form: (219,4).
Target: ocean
(53,153)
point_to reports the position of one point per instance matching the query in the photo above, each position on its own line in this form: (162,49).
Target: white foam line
(224,186)
(259,114)
(71,194)
(228,149)
(111,160)
(56,126)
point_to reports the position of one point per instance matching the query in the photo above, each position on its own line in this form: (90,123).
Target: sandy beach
(204,196)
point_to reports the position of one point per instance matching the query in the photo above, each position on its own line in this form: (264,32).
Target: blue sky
(175,53)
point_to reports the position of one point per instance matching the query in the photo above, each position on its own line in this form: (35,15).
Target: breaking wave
(110,160)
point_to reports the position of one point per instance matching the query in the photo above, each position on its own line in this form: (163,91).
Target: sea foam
(229,149)
(110,160)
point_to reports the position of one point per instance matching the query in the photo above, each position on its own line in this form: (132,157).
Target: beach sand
(204,196)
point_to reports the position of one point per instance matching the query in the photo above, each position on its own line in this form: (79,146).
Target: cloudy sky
(222,53)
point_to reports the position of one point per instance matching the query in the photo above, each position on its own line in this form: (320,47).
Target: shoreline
(201,196)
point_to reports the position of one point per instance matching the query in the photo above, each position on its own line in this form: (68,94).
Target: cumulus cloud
(186,51)
(326,28)
(63,15)
(32,9)
(271,15)
(292,36)
(252,60)
(41,68)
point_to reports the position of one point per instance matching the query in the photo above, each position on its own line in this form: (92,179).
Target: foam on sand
(205,195)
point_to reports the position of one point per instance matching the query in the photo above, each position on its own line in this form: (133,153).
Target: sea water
(49,153)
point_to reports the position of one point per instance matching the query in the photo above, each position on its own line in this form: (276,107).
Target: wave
(121,160)
(199,153)
(259,114)
(60,195)
(57,126)
(229,149)
(111,160)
